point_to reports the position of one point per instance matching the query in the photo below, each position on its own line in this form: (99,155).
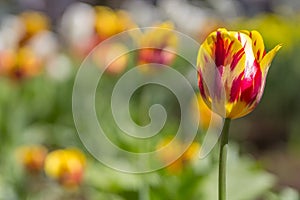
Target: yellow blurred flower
(176,149)
(28,63)
(66,166)
(109,22)
(100,24)
(34,23)
(32,157)
(156,45)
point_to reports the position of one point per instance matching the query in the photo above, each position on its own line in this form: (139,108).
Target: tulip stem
(223,159)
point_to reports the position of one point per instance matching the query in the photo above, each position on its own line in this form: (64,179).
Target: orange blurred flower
(32,157)
(19,64)
(66,166)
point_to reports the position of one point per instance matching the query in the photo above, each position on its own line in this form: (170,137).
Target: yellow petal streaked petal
(247,44)
(257,44)
(267,59)
(238,109)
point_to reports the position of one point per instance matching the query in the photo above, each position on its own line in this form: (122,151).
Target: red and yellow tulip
(66,166)
(232,70)
(156,45)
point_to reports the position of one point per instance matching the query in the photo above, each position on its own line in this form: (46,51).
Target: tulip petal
(237,109)
(267,59)
(223,50)
(257,44)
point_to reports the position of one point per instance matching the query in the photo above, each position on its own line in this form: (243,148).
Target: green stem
(144,193)
(223,159)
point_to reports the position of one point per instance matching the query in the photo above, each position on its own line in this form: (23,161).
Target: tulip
(112,56)
(232,70)
(176,166)
(34,23)
(109,22)
(32,157)
(156,45)
(23,63)
(84,26)
(66,166)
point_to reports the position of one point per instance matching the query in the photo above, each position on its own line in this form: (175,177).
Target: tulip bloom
(66,166)
(34,23)
(173,151)
(32,157)
(156,45)
(232,70)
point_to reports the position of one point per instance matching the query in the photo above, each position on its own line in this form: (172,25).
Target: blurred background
(42,44)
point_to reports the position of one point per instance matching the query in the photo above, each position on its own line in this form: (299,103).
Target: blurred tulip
(45,45)
(20,64)
(77,25)
(109,22)
(156,46)
(114,56)
(232,71)
(26,45)
(11,32)
(32,157)
(172,152)
(59,67)
(34,23)
(66,166)
(85,26)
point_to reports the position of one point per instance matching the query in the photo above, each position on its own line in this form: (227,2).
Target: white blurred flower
(227,8)
(44,44)
(59,67)
(11,31)
(78,23)
(143,13)
(186,16)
